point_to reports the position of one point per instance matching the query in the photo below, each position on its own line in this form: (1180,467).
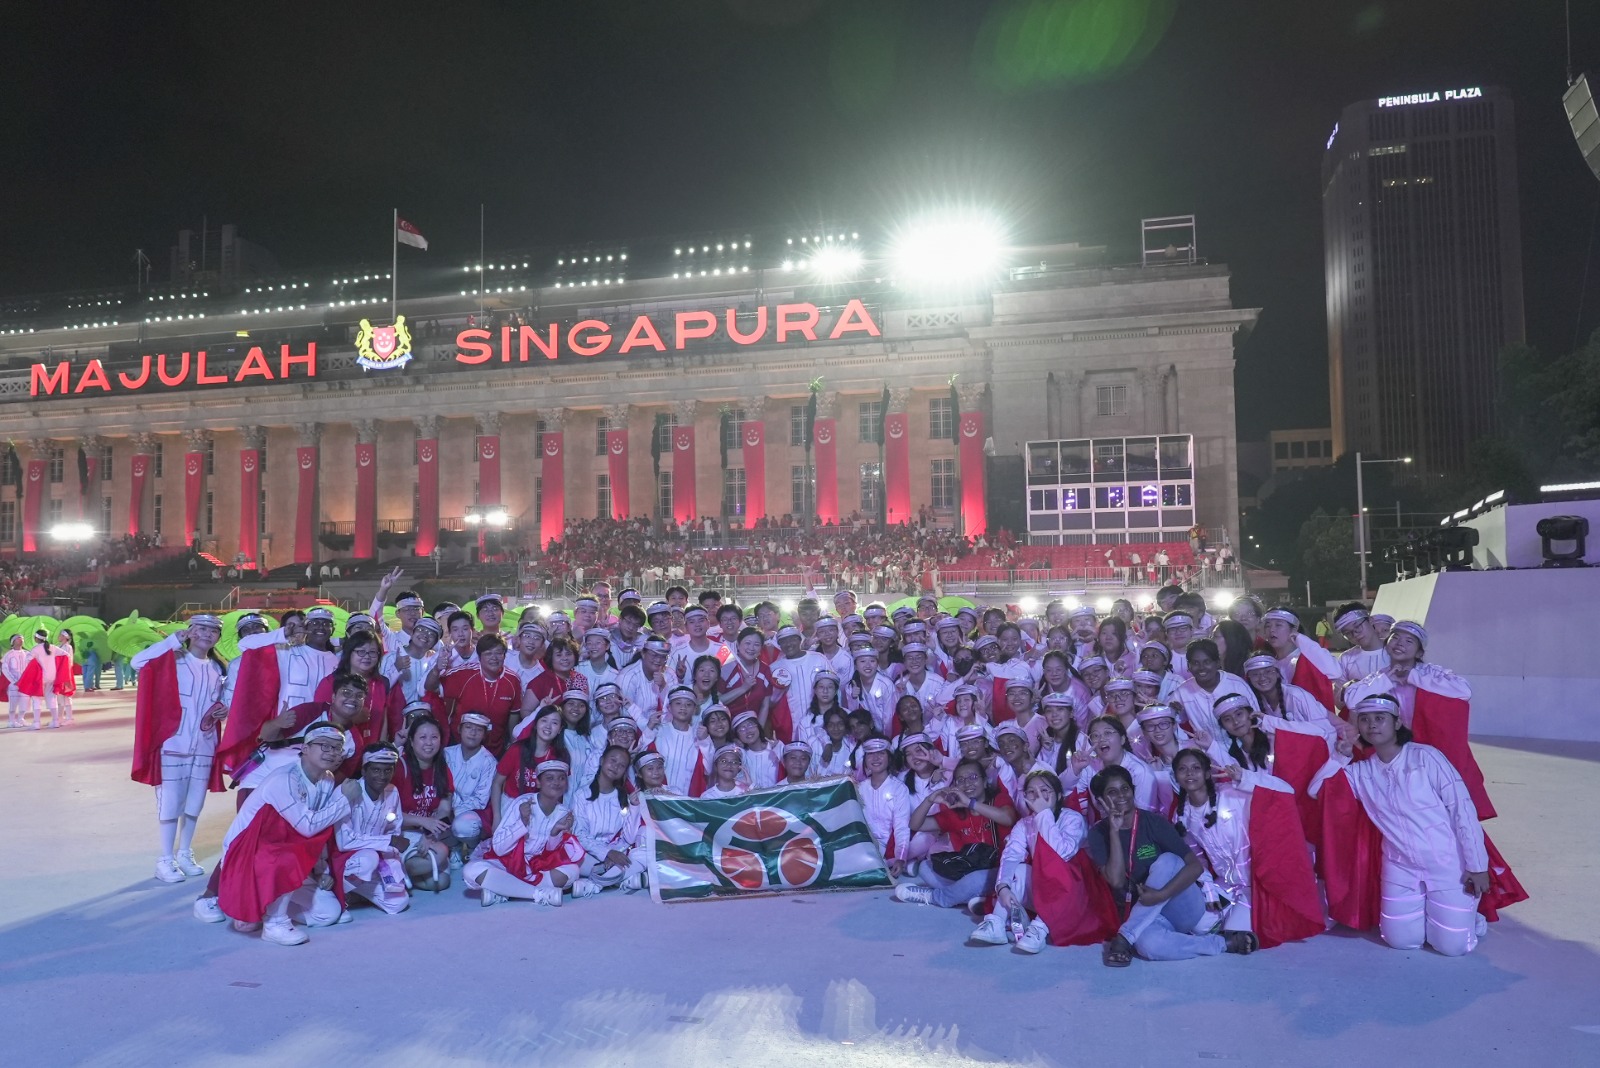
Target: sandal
(1243,943)
(1116,953)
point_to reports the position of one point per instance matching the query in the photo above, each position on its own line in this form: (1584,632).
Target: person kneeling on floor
(275,845)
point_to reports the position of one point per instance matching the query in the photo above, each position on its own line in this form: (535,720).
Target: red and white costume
(364,858)
(524,854)
(603,825)
(1312,668)
(1431,837)
(38,683)
(12,665)
(1144,780)
(174,738)
(300,667)
(1065,833)
(273,846)
(1198,702)
(473,778)
(685,759)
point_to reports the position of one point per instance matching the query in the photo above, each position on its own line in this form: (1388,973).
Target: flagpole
(394,265)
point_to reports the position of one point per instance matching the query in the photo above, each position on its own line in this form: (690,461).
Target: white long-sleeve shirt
(1198,703)
(372,821)
(1419,802)
(839,765)
(1425,676)
(887,809)
(802,675)
(1226,843)
(300,667)
(1299,706)
(604,824)
(681,752)
(47,663)
(413,678)
(199,688)
(473,777)
(535,835)
(1356,663)
(308,807)
(12,664)
(877,698)
(1065,833)
(645,698)
(1144,780)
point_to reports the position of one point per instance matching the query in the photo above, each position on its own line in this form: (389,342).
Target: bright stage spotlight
(836,263)
(947,251)
(1030,605)
(72,532)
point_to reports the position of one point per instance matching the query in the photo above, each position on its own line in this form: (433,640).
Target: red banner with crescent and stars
(552,488)
(755,472)
(684,505)
(138,471)
(617,469)
(825,440)
(489,469)
(974,510)
(897,468)
(249,505)
(194,482)
(365,546)
(32,504)
(427,495)
(305,511)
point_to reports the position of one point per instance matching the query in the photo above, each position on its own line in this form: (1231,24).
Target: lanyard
(1127,873)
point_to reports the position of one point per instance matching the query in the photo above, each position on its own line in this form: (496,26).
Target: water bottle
(1017,922)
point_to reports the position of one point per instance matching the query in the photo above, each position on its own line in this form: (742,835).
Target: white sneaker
(283,934)
(206,910)
(991,932)
(489,897)
(1033,939)
(187,864)
(585,888)
(975,905)
(167,870)
(548,894)
(913,893)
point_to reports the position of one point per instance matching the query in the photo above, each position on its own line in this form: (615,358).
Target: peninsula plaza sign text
(781,324)
(1429,98)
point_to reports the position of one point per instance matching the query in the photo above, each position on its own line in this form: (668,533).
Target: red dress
(66,684)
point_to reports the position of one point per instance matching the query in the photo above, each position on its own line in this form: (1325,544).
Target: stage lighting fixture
(947,251)
(1029,605)
(836,263)
(1103,605)
(1455,545)
(1570,529)
(1222,600)
(788,604)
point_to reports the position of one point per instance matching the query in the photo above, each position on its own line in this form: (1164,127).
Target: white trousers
(467,826)
(1431,907)
(16,704)
(491,875)
(183,786)
(384,884)
(606,874)
(311,906)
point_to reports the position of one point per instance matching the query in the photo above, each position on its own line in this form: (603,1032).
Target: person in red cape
(534,855)
(1249,833)
(1434,704)
(272,852)
(976,817)
(1040,873)
(38,681)
(250,694)
(1301,661)
(66,684)
(281,735)
(488,689)
(176,714)
(1439,876)
(1294,751)
(1146,862)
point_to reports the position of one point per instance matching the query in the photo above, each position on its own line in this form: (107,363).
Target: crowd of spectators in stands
(26,581)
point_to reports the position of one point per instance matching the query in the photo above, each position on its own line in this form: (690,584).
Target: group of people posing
(1166,786)
(39,680)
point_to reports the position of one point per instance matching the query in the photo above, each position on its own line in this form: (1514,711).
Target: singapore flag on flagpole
(407,234)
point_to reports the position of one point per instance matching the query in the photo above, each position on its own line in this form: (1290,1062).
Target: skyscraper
(1422,252)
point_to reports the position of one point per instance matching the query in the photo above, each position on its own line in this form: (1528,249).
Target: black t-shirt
(1156,836)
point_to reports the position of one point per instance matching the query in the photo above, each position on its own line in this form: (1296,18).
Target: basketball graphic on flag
(760,824)
(800,860)
(743,867)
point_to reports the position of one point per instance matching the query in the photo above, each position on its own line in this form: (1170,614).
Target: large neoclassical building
(298,417)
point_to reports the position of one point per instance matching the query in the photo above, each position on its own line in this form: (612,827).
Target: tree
(1327,551)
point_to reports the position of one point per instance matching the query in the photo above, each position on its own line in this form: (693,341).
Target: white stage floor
(101,965)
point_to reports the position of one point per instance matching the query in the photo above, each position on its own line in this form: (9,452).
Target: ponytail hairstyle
(1257,756)
(1211,787)
(621,786)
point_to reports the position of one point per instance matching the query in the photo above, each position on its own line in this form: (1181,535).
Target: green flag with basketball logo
(787,839)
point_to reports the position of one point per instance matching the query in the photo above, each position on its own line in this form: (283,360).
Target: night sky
(619,119)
